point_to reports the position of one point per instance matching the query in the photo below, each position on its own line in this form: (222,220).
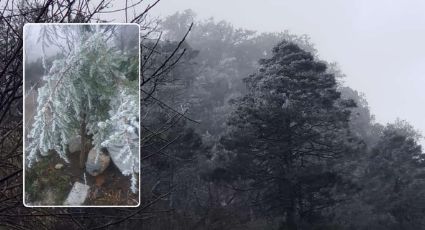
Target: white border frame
(23,121)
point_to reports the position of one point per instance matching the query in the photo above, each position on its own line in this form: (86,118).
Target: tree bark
(291,222)
(83,153)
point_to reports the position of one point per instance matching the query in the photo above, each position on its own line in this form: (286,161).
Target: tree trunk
(83,153)
(291,222)
(290,217)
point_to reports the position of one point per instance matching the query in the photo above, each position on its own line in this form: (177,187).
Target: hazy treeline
(275,140)
(240,130)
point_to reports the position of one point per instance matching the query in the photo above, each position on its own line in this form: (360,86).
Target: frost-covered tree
(91,92)
(286,133)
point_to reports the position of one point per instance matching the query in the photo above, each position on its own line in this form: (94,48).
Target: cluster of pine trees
(262,134)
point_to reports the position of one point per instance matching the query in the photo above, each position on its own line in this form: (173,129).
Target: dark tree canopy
(286,130)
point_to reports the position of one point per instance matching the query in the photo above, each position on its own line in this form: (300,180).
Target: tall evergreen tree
(286,132)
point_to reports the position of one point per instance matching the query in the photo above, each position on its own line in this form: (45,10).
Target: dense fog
(243,129)
(277,139)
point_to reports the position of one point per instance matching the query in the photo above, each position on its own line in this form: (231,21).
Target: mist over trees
(285,144)
(239,130)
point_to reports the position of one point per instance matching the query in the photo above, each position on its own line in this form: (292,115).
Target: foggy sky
(379,45)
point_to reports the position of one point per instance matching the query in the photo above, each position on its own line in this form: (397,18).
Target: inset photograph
(81,115)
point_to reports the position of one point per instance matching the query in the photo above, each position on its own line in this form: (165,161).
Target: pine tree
(393,181)
(285,133)
(91,92)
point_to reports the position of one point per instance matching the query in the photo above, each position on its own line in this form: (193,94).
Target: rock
(58,166)
(78,194)
(74,144)
(94,167)
(119,162)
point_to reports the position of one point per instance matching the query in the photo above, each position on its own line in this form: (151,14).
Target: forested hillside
(239,130)
(275,140)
